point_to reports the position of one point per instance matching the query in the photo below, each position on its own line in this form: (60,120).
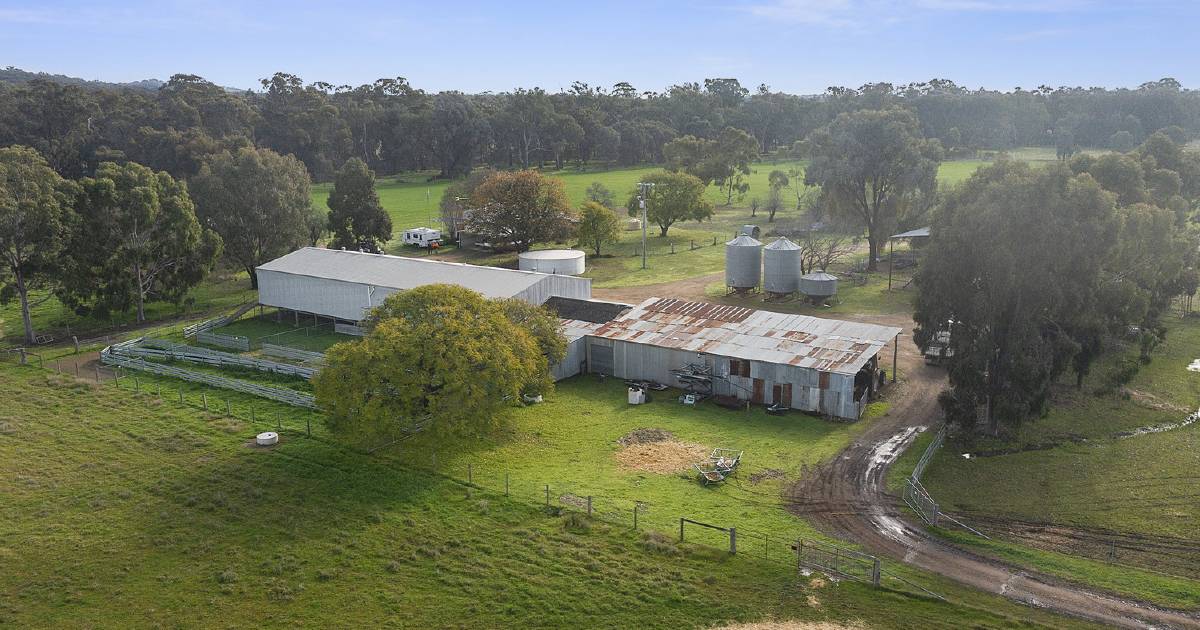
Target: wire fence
(919,499)
(659,527)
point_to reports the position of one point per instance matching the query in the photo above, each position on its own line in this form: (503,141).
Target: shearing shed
(345,285)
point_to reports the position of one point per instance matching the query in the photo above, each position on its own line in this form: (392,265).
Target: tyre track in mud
(847,497)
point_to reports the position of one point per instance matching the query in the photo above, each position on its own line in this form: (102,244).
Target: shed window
(738,367)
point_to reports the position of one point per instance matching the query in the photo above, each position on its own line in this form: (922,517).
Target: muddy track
(848,497)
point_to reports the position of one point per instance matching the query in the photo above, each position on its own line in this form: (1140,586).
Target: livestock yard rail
(132,355)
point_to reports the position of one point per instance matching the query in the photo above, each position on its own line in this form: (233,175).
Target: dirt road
(848,498)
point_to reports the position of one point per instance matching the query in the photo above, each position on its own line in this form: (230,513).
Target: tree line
(127,234)
(1036,271)
(393,126)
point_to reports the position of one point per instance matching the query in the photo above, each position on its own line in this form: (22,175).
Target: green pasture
(1134,495)
(127,510)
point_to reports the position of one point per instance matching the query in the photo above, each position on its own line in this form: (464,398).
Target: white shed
(345,285)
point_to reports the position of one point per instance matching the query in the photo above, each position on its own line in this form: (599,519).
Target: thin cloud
(846,13)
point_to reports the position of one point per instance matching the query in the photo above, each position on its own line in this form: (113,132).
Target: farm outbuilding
(819,365)
(345,285)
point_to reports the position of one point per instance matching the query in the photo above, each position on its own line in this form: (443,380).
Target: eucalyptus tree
(36,217)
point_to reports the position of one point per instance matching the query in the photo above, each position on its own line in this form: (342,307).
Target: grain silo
(743,264)
(781,268)
(818,285)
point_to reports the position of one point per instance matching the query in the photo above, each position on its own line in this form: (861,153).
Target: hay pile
(665,458)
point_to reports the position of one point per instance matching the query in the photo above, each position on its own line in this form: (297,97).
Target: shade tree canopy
(258,201)
(356,218)
(36,222)
(137,239)
(1031,270)
(440,358)
(598,227)
(872,165)
(517,209)
(674,197)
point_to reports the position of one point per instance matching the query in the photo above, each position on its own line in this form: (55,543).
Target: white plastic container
(269,438)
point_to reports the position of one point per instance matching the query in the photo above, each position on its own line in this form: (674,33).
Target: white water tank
(568,262)
(633,224)
(268,438)
(743,262)
(781,267)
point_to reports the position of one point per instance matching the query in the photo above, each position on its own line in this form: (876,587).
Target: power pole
(643,189)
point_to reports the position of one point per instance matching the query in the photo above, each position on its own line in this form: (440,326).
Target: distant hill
(16,75)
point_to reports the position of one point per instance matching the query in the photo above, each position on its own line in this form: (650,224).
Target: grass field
(285,333)
(1133,498)
(412,199)
(124,511)
(570,443)
(223,291)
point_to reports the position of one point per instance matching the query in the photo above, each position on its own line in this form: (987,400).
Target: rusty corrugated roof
(828,345)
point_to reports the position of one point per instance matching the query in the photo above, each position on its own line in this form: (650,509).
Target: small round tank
(743,263)
(818,285)
(752,231)
(781,267)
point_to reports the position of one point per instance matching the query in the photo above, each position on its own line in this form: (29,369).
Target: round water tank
(752,231)
(633,224)
(561,261)
(781,267)
(269,438)
(743,262)
(818,284)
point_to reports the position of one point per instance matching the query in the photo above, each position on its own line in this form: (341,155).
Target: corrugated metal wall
(652,363)
(332,298)
(572,363)
(351,300)
(557,285)
(649,363)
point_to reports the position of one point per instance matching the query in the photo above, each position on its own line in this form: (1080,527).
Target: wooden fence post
(547,495)
(181,395)
(137,384)
(97,374)
(204,400)
(680,529)
(76,369)
(308,427)
(227,407)
(732,540)
(876,571)
(506,483)
(76,342)
(635,511)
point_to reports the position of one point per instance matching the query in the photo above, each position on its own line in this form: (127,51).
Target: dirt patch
(1150,401)
(769,473)
(645,436)
(664,458)
(817,583)
(771,624)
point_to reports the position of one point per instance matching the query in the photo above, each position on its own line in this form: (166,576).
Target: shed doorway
(782,394)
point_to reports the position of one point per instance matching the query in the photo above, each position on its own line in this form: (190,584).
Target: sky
(797,46)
